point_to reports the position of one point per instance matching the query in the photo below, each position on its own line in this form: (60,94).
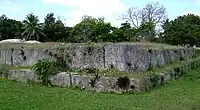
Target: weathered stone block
(83,56)
(61,79)
(81,81)
(23,75)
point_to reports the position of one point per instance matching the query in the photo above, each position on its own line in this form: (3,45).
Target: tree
(61,32)
(9,28)
(91,30)
(49,27)
(183,30)
(147,31)
(50,19)
(55,30)
(32,27)
(153,13)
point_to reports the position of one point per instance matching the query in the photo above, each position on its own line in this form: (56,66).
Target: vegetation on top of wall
(154,71)
(4,69)
(57,45)
(175,65)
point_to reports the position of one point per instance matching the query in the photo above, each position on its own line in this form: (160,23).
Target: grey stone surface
(81,81)
(103,84)
(83,56)
(106,84)
(23,75)
(5,56)
(22,57)
(61,79)
(124,57)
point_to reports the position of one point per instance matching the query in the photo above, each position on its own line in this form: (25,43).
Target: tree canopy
(9,28)
(183,30)
(140,25)
(32,27)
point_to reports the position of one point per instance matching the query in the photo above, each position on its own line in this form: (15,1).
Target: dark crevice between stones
(24,58)
(90,50)
(51,54)
(162,80)
(104,57)
(12,50)
(123,82)
(150,51)
(128,64)
(94,80)
(22,52)
(111,66)
(84,54)
(75,54)
(70,79)
(132,87)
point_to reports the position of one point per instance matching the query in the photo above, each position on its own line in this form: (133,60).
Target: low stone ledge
(22,75)
(104,84)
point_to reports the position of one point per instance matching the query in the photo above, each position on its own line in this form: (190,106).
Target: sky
(71,11)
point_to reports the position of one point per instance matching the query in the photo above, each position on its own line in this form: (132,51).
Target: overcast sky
(73,10)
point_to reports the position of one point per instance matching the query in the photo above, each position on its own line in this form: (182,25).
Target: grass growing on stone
(20,67)
(117,73)
(111,73)
(182,94)
(49,45)
(174,65)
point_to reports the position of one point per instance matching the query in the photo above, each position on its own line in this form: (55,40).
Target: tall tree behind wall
(9,28)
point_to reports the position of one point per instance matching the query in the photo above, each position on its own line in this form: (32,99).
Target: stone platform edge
(103,84)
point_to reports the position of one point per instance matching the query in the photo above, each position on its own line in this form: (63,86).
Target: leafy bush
(4,68)
(43,68)
(154,80)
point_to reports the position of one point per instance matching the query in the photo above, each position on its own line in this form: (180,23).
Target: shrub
(150,68)
(154,80)
(4,68)
(43,68)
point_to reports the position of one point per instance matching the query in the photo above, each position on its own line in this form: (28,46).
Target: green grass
(182,94)
(145,45)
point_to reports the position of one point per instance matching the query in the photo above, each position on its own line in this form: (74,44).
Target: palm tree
(32,27)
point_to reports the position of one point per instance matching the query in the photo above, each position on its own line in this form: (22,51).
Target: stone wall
(22,57)
(104,84)
(124,57)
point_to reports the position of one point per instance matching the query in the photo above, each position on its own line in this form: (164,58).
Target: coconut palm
(32,27)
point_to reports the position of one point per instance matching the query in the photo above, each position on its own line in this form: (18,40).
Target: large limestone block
(23,75)
(87,57)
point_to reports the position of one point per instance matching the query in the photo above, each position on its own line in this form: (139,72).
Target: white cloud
(7,2)
(110,9)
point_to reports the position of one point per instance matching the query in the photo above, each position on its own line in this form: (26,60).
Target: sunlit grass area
(182,94)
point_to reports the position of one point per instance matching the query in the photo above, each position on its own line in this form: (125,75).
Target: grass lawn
(183,94)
